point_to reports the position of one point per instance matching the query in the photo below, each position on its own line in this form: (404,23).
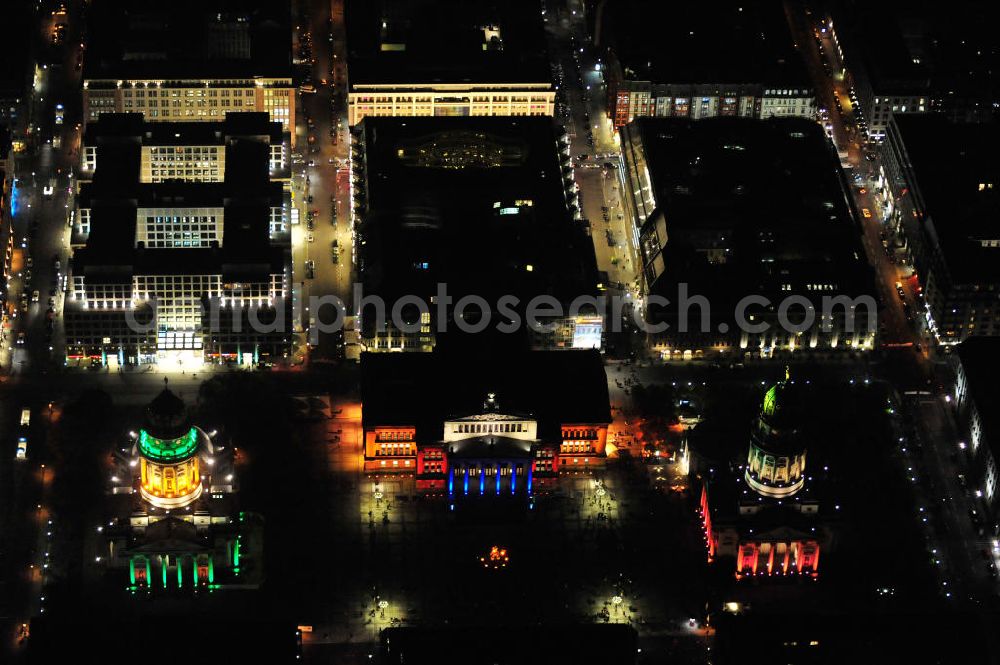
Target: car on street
(867,213)
(34,296)
(22,448)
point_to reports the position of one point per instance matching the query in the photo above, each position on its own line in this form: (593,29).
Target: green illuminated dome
(782,411)
(169,450)
(168,435)
(777,458)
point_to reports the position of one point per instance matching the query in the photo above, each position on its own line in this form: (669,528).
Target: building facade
(700,195)
(976,401)
(452,446)
(937,187)
(182,243)
(449,99)
(447,59)
(485,206)
(638,99)
(767,518)
(174,522)
(193,62)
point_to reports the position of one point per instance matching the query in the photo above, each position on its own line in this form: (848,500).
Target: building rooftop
(247,169)
(445,41)
(110,128)
(751,206)
(980,358)
(425,389)
(729,42)
(958,178)
(914,47)
(477,203)
(14,69)
(188,39)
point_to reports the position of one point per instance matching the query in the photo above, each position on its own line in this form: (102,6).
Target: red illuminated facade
(766,516)
(491,442)
(505,424)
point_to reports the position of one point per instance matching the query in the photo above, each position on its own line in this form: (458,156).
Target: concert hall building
(508,423)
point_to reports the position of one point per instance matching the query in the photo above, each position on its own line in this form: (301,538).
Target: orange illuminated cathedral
(765,511)
(174,520)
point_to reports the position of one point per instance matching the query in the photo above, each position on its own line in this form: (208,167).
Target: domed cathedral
(766,513)
(174,520)
(777,458)
(169,451)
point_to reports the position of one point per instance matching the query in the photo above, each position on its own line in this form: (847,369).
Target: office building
(730,208)
(16,69)
(976,362)
(728,59)
(178,268)
(423,58)
(914,58)
(184,152)
(189,61)
(485,206)
(937,186)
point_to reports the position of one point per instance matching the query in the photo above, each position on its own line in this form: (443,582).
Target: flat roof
(732,41)
(425,389)
(767,193)
(917,47)
(949,162)
(137,39)
(113,127)
(445,41)
(16,33)
(476,203)
(118,171)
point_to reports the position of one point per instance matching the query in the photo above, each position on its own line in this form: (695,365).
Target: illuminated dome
(168,450)
(777,460)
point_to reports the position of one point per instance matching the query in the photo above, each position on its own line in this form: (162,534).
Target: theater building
(507,424)
(765,513)
(174,521)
